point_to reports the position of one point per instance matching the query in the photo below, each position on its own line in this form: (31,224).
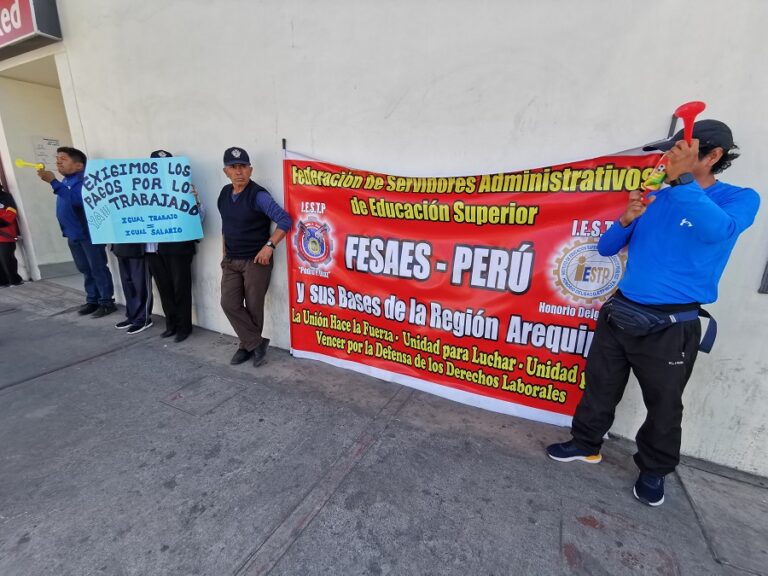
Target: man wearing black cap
(679,243)
(171,266)
(247,212)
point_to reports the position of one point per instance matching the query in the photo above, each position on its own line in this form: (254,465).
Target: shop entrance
(33,123)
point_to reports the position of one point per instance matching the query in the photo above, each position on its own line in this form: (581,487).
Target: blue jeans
(91,261)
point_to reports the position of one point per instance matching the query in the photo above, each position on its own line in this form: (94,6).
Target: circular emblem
(583,275)
(236,153)
(313,242)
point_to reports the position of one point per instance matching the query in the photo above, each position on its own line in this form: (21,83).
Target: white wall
(441,87)
(28,110)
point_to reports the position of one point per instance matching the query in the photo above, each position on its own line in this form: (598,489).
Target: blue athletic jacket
(679,247)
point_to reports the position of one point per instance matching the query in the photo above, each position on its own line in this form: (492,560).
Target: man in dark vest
(247,212)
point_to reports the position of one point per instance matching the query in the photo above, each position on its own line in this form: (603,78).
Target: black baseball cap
(160,154)
(236,155)
(711,134)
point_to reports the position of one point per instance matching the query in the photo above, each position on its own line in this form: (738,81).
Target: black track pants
(662,363)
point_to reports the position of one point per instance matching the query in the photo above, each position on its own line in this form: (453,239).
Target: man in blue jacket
(90,259)
(679,243)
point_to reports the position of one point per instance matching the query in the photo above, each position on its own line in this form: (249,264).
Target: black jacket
(135,250)
(186,248)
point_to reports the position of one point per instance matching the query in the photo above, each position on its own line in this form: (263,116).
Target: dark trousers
(9,268)
(244,285)
(91,261)
(662,363)
(173,277)
(137,287)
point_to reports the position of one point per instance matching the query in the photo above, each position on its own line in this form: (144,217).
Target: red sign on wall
(26,25)
(16,20)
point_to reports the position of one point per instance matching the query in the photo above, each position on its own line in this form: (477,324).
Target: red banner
(484,289)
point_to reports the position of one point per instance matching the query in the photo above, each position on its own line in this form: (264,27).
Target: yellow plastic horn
(23,164)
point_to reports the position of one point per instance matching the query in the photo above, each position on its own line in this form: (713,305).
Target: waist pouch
(637,320)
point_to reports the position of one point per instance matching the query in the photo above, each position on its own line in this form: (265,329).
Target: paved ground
(124,455)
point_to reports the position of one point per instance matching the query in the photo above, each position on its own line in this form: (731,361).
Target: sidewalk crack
(266,556)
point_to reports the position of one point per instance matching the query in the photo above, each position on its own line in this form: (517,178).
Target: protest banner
(140,200)
(484,289)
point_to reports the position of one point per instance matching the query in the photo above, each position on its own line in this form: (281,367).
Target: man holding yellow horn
(90,259)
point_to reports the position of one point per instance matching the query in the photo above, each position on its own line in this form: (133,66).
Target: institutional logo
(236,153)
(583,275)
(313,242)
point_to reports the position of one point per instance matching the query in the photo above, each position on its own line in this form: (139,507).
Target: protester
(90,259)
(171,266)
(137,287)
(679,244)
(247,211)
(9,232)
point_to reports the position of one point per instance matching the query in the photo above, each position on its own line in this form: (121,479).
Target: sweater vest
(246,228)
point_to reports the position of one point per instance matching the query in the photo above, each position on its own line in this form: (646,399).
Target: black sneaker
(168,333)
(181,336)
(259,355)
(123,324)
(568,452)
(104,310)
(87,309)
(135,329)
(241,356)
(649,489)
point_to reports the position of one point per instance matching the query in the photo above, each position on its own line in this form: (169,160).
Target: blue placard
(140,200)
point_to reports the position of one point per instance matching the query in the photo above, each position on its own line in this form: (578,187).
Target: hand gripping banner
(483,289)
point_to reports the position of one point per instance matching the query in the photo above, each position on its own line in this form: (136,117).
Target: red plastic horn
(687,113)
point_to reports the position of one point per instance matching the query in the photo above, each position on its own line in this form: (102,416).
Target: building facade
(413,88)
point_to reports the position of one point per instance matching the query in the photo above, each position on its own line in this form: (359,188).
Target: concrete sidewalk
(129,455)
